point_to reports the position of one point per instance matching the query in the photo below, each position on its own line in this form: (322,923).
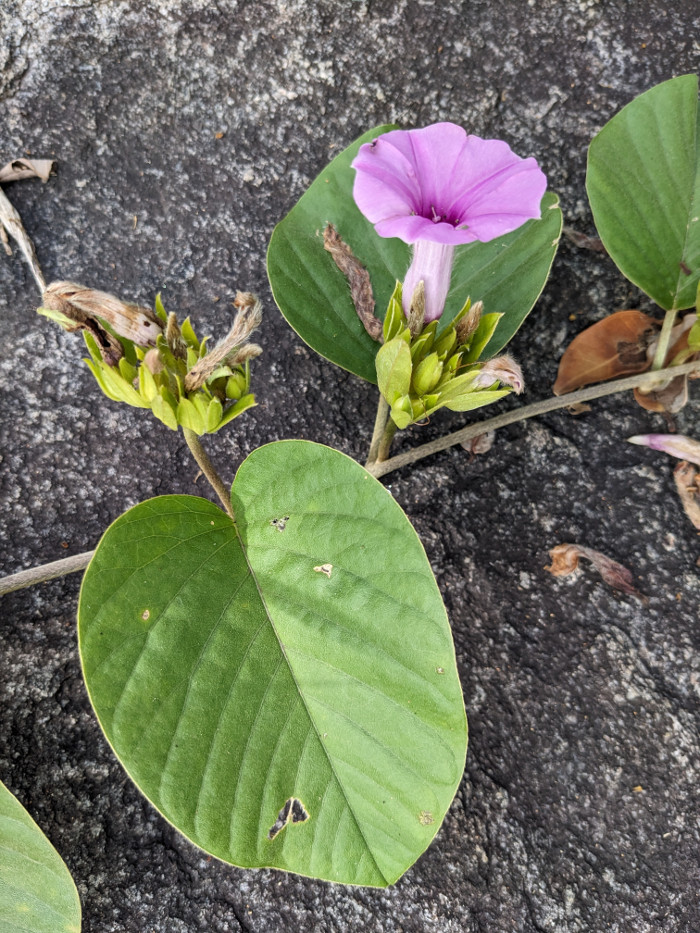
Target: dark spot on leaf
(293,811)
(280,523)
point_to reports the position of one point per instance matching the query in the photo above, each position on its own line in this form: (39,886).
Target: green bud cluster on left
(150,360)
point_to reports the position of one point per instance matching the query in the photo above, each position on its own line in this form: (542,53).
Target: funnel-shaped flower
(436,188)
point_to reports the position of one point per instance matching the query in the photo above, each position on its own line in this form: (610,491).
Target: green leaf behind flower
(507,274)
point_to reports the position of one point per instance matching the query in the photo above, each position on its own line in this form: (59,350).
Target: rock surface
(183,131)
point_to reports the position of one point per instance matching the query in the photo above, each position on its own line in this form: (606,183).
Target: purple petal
(385,181)
(413,228)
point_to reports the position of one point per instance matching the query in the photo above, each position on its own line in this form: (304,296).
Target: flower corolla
(436,188)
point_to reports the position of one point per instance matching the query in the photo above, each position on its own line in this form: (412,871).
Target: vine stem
(662,346)
(648,379)
(207,467)
(59,568)
(379,426)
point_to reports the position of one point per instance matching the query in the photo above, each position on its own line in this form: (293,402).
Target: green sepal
(115,387)
(243,404)
(220,373)
(92,347)
(472,400)
(423,343)
(465,310)
(203,347)
(61,319)
(163,410)
(459,385)
(483,333)
(189,416)
(192,357)
(147,384)
(452,364)
(236,386)
(188,334)
(160,310)
(96,371)
(427,374)
(394,369)
(127,370)
(215,412)
(446,343)
(395,319)
(402,412)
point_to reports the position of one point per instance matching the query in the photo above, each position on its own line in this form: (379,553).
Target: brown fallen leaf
(616,346)
(583,241)
(358,280)
(565,559)
(687,480)
(26,168)
(481,444)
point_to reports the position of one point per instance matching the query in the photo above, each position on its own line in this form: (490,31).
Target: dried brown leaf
(687,480)
(358,280)
(480,444)
(26,168)
(565,559)
(674,395)
(583,241)
(616,346)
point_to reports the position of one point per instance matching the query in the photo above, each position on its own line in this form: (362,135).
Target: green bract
(155,379)
(37,894)
(643,183)
(507,274)
(419,374)
(283,689)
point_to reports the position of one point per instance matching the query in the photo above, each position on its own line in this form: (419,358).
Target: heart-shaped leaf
(507,274)
(37,894)
(643,183)
(284,690)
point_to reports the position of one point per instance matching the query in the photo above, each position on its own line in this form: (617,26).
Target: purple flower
(436,188)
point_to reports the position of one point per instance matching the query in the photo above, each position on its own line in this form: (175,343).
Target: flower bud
(466,326)
(427,374)
(416,311)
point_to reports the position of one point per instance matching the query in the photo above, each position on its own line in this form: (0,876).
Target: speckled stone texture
(577,697)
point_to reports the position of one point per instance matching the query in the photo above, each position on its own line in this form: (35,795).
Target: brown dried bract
(616,346)
(88,308)
(26,168)
(687,480)
(565,559)
(234,348)
(358,280)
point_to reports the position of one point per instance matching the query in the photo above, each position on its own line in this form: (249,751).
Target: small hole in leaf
(146,615)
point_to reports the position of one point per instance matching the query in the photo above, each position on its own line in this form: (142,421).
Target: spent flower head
(438,187)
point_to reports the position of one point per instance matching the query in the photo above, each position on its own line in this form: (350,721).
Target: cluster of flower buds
(419,371)
(149,360)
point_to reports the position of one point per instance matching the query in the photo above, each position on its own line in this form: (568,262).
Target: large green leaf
(303,653)
(643,183)
(37,894)
(507,274)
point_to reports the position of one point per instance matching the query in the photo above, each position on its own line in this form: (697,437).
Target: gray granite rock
(577,697)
